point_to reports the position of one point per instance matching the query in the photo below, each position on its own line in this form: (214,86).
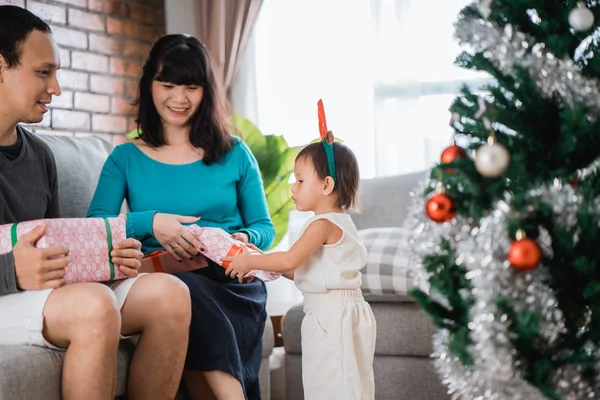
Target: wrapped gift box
(89,240)
(217,244)
(161,261)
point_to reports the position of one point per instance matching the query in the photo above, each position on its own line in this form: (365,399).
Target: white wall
(180,16)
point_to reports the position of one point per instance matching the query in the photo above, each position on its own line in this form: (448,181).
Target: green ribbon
(330,160)
(110,248)
(14,239)
(13,234)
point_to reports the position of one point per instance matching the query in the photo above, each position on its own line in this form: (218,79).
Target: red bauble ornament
(440,208)
(524,254)
(452,153)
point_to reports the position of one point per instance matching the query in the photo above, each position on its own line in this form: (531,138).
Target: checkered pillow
(387,271)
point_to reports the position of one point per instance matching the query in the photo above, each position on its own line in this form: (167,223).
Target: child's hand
(239,265)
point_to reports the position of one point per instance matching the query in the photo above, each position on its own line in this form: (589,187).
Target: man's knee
(97,310)
(80,311)
(169,297)
(99,306)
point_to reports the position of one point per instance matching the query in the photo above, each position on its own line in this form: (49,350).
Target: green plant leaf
(276,162)
(250,134)
(133,134)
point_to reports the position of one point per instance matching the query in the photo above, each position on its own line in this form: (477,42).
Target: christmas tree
(506,229)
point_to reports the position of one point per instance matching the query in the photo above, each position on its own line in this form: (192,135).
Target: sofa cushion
(387,272)
(385,201)
(79,161)
(30,372)
(403,329)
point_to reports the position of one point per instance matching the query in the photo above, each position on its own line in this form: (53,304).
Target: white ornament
(492,159)
(485,8)
(581,18)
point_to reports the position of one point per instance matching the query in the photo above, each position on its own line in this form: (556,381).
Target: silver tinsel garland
(509,49)
(482,250)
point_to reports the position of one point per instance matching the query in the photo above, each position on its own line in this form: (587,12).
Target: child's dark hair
(346,166)
(16,24)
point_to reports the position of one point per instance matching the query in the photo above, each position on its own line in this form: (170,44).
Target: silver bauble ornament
(492,159)
(581,18)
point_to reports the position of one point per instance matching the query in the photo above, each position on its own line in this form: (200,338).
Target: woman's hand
(241,236)
(175,239)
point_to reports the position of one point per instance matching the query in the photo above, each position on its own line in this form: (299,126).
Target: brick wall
(103,45)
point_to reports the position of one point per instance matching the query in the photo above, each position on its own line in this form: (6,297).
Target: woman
(185,166)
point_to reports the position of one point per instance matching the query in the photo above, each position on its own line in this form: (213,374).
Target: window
(384,69)
(416,81)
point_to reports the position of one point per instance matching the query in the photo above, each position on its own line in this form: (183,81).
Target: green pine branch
(447,279)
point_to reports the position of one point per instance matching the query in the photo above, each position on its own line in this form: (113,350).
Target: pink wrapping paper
(217,244)
(86,239)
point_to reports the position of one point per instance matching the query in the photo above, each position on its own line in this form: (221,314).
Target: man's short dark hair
(16,24)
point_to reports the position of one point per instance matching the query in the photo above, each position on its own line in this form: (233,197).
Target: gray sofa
(403,369)
(31,373)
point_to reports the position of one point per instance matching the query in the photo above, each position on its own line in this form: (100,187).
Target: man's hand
(38,269)
(128,256)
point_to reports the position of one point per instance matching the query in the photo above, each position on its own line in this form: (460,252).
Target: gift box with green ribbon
(89,241)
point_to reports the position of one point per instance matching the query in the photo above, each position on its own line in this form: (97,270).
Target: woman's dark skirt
(228,320)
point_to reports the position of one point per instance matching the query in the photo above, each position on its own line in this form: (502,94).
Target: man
(36,308)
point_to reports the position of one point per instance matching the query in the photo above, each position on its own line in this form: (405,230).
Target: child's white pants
(338,346)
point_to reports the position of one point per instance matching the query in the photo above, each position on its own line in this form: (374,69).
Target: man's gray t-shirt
(28,191)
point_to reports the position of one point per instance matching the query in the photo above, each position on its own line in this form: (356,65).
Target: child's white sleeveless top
(333,266)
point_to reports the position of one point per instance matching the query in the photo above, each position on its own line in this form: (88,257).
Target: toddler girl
(338,330)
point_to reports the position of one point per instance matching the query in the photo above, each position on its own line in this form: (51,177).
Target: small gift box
(89,241)
(218,244)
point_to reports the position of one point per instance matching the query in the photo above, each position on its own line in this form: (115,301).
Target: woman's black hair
(183,60)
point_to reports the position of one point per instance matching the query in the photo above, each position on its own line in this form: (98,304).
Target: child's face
(308,188)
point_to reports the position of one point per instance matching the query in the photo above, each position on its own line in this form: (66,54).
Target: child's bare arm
(284,261)
(305,247)
(289,274)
